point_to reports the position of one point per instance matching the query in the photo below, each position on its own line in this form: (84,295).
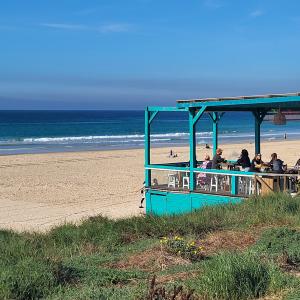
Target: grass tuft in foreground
(233,276)
(280,243)
(85,261)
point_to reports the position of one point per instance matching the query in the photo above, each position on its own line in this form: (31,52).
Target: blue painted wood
(180,203)
(166,167)
(147,149)
(158,204)
(166,108)
(193,162)
(257,135)
(198,115)
(238,104)
(215,132)
(258,118)
(234,185)
(214,171)
(153,115)
(202,200)
(148,202)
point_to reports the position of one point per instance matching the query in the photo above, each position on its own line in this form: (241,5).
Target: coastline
(22,149)
(39,191)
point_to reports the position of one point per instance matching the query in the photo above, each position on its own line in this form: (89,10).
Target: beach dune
(39,191)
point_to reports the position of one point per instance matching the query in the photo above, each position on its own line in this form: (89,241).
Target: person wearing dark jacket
(244,160)
(218,159)
(276,164)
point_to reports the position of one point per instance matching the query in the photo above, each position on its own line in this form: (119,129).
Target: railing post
(234,185)
(193,163)
(147,149)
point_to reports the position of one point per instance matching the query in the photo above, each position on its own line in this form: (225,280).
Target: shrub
(177,245)
(235,276)
(281,243)
(158,292)
(27,279)
(294,295)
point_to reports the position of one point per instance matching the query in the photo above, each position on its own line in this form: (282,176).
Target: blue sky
(126,54)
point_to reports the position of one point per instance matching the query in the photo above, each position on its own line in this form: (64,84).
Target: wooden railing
(176,177)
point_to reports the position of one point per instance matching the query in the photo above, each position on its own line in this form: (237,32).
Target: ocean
(56,131)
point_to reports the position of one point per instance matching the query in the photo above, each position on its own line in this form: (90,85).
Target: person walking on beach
(218,159)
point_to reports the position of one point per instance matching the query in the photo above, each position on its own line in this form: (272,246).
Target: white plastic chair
(214,183)
(173,180)
(186,182)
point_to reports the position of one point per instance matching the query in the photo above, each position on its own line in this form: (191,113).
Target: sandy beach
(39,191)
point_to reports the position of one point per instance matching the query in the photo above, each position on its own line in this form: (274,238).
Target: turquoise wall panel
(148,202)
(162,203)
(158,203)
(200,200)
(178,203)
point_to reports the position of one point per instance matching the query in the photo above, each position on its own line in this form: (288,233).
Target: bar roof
(238,98)
(290,101)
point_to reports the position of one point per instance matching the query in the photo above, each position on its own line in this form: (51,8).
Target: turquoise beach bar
(182,187)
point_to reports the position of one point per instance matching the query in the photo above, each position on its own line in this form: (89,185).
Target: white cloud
(64,26)
(105,28)
(256,13)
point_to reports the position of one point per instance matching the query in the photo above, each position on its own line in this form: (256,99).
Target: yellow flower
(192,244)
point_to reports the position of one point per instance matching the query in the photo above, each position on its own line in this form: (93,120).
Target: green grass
(78,262)
(281,242)
(234,276)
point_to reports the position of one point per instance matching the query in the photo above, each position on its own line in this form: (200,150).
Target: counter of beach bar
(182,187)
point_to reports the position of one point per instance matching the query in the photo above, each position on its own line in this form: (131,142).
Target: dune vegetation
(246,251)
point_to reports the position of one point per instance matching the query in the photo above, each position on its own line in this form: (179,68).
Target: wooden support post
(193,162)
(147,148)
(258,116)
(234,185)
(215,118)
(257,134)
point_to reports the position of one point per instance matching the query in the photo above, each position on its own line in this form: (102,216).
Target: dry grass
(151,260)
(227,240)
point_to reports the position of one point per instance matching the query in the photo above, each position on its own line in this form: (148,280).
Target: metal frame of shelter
(162,201)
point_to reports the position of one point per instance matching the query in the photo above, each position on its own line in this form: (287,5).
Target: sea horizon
(46,131)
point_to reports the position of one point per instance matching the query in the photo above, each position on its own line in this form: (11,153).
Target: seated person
(276,164)
(206,164)
(297,165)
(218,159)
(244,160)
(257,163)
